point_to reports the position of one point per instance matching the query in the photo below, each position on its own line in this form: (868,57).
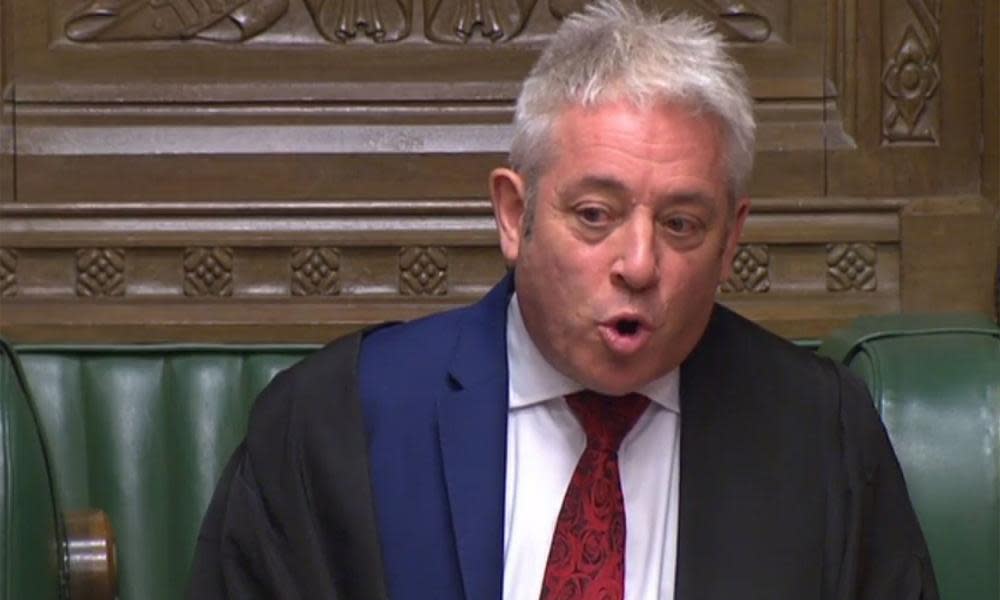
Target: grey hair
(614,50)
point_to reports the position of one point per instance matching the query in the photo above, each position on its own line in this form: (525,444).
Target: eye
(683,230)
(680,225)
(594,216)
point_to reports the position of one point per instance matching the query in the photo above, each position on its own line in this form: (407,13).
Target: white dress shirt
(544,443)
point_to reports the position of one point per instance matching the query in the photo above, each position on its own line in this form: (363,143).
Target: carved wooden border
(911,77)
(325,267)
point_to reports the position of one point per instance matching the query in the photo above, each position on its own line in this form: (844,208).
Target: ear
(507,194)
(739,217)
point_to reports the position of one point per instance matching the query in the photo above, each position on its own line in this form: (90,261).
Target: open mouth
(627,326)
(625,335)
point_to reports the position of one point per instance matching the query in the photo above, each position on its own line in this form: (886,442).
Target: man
(595,427)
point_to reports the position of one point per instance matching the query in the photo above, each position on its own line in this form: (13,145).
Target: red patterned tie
(587,557)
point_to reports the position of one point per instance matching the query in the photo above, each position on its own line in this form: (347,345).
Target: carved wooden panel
(291,169)
(344,20)
(100,272)
(315,271)
(423,270)
(906,117)
(416,265)
(911,77)
(750,270)
(8,272)
(422,90)
(208,271)
(851,267)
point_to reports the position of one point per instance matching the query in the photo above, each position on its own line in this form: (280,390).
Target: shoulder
(746,346)
(431,338)
(307,397)
(403,369)
(324,381)
(770,367)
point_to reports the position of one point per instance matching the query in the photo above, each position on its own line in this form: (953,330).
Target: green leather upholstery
(143,432)
(29,521)
(936,382)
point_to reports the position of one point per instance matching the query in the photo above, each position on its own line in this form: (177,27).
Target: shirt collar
(533,380)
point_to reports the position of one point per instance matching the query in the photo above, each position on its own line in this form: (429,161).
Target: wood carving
(381,20)
(423,270)
(138,20)
(315,271)
(750,270)
(736,21)
(208,272)
(8,272)
(911,77)
(851,267)
(447,21)
(100,272)
(458,21)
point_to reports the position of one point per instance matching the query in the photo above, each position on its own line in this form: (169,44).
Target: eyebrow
(614,187)
(692,197)
(595,183)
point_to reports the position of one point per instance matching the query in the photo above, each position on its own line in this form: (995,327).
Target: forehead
(622,120)
(665,142)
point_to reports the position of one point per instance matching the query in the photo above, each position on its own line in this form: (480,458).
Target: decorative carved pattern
(911,77)
(736,20)
(423,270)
(381,20)
(750,270)
(457,21)
(137,20)
(851,267)
(100,272)
(8,272)
(315,271)
(208,272)
(447,21)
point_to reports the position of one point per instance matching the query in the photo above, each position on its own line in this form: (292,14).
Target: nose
(637,266)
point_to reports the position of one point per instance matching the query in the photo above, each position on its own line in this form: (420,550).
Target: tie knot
(606,419)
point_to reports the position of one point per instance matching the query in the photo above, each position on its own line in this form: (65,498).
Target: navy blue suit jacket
(376,468)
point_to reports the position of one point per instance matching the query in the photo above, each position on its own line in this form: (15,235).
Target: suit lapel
(472,422)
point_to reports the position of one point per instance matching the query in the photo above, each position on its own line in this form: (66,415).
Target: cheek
(574,272)
(694,277)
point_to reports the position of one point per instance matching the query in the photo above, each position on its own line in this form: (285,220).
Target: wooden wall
(285,170)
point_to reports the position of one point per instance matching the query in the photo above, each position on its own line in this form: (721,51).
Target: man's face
(632,233)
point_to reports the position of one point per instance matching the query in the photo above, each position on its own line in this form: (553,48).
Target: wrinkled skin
(633,230)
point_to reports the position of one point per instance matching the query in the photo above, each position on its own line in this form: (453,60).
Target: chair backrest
(29,514)
(936,383)
(143,432)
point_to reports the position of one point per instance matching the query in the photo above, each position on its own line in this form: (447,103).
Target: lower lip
(621,344)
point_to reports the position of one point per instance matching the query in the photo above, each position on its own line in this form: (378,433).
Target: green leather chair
(30,558)
(143,432)
(936,383)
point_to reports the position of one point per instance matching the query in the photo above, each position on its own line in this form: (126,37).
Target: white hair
(614,50)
